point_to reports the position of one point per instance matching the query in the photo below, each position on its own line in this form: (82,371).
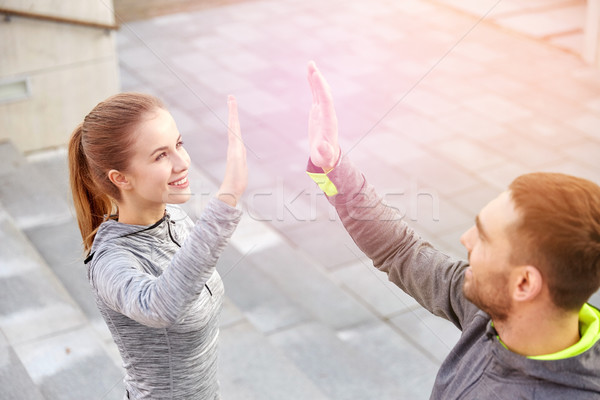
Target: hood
(168,227)
(578,371)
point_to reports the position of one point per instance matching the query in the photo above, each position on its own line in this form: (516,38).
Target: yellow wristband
(324,182)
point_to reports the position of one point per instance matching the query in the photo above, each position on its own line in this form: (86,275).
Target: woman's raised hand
(236,173)
(322,122)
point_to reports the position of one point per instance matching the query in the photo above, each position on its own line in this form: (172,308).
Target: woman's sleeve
(158,302)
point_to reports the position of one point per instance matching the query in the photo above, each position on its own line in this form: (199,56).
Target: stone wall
(67,69)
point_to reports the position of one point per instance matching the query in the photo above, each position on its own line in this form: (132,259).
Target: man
(520,301)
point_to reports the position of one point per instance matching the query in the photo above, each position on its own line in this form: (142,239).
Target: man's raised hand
(322,122)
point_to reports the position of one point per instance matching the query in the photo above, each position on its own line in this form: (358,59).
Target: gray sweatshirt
(160,295)
(479,366)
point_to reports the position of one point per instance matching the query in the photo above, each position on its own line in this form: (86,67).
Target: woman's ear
(119,179)
(528,283)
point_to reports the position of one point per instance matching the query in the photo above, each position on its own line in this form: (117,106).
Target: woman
(151,269)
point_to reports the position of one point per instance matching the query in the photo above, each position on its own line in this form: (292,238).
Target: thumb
(326,155)
(325,150)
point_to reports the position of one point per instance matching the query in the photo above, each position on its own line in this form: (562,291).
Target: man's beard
(493,299)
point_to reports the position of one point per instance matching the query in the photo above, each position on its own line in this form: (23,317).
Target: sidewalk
(439,108)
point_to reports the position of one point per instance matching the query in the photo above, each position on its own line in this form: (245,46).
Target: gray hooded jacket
(160,295)
(479,366)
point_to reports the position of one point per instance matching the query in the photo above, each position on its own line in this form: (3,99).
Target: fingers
(321,91)
(236,148)
(233,123)
(236,172)
(326,151)
(312,69)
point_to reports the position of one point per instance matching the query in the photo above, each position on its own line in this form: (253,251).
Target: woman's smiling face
(157,173)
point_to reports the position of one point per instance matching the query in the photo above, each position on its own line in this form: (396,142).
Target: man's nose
(464,239)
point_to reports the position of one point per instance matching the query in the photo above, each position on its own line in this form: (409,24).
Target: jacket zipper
(178,245)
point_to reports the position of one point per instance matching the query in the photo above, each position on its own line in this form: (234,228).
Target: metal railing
(26,14)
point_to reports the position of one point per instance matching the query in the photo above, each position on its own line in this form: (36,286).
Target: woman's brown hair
(103,141)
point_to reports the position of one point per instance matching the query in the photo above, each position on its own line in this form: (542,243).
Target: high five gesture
(236,173)
(322,122)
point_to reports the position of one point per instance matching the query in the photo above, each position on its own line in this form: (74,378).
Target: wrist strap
(320,177)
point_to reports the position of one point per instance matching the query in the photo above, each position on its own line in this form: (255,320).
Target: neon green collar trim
(589,327)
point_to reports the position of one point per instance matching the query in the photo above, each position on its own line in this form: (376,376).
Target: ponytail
(90,204)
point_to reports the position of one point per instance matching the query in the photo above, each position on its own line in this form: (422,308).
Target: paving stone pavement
(440,108)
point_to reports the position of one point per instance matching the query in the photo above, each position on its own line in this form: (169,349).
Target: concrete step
(14,378)
(59,241)
(10,158)
(53,165)
(250,367)
(335,367)
(308,284)
(16,382)
(28,195)
(60,247)
(263,303)
(55,235)
(51,347)
(406,371)
(54,347)
(329,334)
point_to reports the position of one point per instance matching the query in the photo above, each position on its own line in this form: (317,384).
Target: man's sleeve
(428,275)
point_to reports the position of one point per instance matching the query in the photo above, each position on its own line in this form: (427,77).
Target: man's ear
(119,179)
(527,283)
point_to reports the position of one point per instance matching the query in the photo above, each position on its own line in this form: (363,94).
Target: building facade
(53,67)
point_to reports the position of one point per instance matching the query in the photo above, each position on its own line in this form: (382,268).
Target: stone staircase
(57,345)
